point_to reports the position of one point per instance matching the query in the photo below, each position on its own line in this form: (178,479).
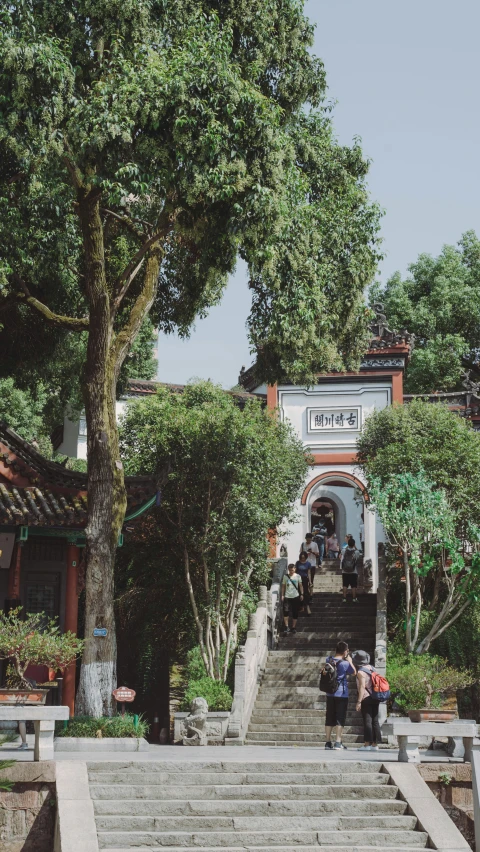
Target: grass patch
(108,727)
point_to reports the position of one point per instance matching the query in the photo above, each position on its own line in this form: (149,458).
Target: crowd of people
(297,585)
(296,595)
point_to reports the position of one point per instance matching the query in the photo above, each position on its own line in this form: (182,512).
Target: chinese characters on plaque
(333,419)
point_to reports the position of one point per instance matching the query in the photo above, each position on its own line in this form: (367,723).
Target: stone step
(292,777)
(263,717)
(290,687)
(244,807)
(242,791)
(157,822)
(296,728)
(295,807)
(190,768)
(382,839)
(315,848)
(297,739)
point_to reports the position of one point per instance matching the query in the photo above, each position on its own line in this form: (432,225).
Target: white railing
(476,795)
(251,657)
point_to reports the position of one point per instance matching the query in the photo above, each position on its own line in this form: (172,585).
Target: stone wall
(27,813)
(451,783)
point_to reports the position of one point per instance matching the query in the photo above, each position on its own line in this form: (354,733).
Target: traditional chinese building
(43,512)
(328,417)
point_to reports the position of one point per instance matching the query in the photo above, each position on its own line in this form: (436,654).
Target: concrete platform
(255,754)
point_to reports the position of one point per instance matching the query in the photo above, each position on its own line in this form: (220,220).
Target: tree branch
(72,323)
(131,270)
(139,310)
(125,220)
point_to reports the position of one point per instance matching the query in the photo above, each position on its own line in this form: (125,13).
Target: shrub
(216,693)
(105,726)
(422,681)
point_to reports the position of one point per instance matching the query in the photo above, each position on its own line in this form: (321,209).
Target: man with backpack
(333,681)
(373,689)
(351,558)
(291,597)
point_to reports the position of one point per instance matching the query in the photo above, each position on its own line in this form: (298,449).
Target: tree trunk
(106,489)
(408,603)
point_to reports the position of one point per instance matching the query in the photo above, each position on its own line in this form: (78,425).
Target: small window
(82,427)
(41,597)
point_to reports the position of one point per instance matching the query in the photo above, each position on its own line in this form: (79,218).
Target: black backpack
(329,681)
(349,561)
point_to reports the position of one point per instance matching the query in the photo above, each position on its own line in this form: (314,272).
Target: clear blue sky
(405,77)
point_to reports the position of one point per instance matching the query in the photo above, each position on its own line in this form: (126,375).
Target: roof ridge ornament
(383,336)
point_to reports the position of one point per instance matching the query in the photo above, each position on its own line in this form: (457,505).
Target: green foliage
(422,681)
(35,639)
(216,693)
(440,303)
(195,668)
(22,410)
(420,524)
(234,473)
(196,111)
(430,438)
(416,515)
(105,727)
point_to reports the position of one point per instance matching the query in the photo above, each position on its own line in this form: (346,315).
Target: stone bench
(407,731)
(43,718)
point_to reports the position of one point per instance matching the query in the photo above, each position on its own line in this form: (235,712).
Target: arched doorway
(346,493)
(324,511)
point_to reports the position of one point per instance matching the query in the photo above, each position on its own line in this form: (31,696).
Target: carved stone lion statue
(195,725)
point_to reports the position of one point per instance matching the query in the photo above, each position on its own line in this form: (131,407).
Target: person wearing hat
(366,702)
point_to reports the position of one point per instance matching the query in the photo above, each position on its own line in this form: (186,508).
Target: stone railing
(251,657)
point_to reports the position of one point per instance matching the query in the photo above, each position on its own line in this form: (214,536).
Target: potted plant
(36,640)
(422,685)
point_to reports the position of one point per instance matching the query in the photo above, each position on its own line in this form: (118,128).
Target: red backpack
(380,687)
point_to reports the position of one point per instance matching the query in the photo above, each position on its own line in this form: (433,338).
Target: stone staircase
(289,709)
(272,807)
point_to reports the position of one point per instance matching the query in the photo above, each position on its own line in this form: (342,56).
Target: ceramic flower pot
(426,714)
(10,697)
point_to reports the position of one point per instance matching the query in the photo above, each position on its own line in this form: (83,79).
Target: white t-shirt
(313,547)
(292,589)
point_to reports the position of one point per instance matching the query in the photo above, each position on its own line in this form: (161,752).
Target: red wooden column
(71,621)
(14,575)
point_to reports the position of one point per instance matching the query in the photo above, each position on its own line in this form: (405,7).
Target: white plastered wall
(299,405)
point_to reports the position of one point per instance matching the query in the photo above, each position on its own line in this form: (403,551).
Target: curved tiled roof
(37,492)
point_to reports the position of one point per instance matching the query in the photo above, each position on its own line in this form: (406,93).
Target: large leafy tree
(233,475)
(143,146)
(420,525)
(423,436)
(439,302)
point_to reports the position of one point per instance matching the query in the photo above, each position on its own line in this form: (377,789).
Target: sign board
(334,419)
(123,693)
(100,631)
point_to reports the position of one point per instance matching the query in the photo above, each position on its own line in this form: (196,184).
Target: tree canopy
(421,436)
(420,526)
(234,474)
(439,302)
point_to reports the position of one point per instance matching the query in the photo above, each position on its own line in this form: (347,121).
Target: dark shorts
(349,580)
(336,711)
(291,606)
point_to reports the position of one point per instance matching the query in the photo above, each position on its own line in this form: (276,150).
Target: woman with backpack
(368,701)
